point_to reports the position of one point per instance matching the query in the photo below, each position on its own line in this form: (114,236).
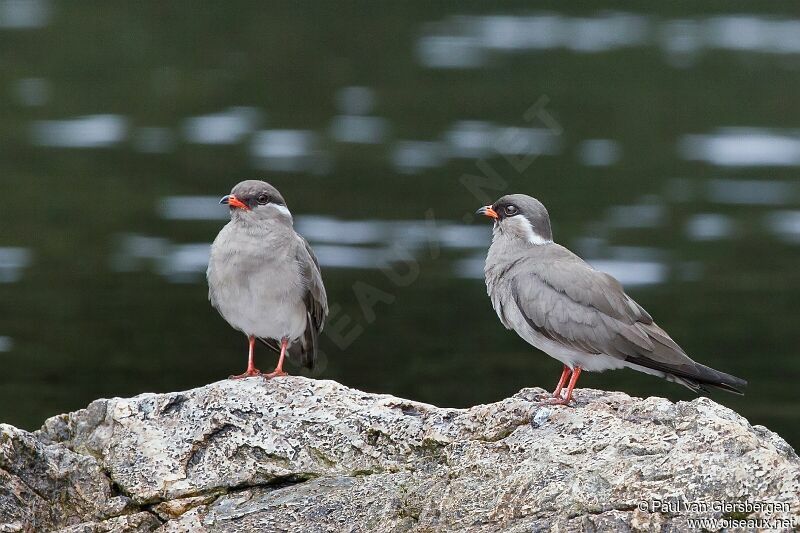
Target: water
(664,144)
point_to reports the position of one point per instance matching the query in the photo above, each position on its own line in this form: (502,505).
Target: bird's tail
(689,374)
(708,377)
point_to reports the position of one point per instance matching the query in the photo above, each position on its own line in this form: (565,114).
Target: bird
(264,279)
(574,313)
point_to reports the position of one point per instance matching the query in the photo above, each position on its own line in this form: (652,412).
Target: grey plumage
(574,313)
(263,277)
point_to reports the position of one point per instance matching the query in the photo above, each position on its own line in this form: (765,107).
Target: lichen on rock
(295,454)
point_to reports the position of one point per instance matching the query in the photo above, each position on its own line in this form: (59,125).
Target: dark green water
(626,136)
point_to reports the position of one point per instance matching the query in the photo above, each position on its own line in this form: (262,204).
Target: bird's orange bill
(232,201)
(488,211)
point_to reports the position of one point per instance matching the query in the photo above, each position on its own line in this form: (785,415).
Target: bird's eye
(511,210)
(262,199)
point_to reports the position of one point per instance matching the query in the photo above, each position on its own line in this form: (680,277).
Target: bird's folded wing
(316,298)
(304,352)
(316,302)
(578,307)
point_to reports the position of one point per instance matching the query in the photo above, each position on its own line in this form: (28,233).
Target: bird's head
(257,201)
(521,217)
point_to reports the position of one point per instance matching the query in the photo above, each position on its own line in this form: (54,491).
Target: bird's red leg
(576,372)
(562,381)
(251,367)
(279,369)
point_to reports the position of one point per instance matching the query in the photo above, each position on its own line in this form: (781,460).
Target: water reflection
(32,92)
(599,152)
(469,41)
(192,208)
(227,127)
(473,139)
(24,14)
(751,192)
(738,147)
(6,343)
(410,157)
(647,214)
(786,224)
(13,261)
(355,100)
(359,129)
(92,131)
(710,227)
(284,150)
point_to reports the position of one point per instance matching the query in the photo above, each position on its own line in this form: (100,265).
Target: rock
(295,454)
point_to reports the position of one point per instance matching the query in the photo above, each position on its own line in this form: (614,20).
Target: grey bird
(580,316)
(265,280)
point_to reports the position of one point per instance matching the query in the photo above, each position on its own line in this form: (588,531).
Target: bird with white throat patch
(578,315)
(265,280)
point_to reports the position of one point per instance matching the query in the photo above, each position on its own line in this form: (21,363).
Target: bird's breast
(256,287)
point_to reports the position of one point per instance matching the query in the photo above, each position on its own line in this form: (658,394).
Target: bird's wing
(567,301)
(315,300)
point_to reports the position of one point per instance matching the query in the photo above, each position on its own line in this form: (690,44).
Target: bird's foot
(248,374)
(555,399)
(277,373)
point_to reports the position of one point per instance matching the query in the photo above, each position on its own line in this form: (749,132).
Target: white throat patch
(520,226)
(281,208)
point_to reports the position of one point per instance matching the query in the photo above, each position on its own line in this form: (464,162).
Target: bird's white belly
(275,317)
(257,295)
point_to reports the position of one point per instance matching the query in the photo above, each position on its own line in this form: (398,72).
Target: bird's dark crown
(257,192)
(526,206)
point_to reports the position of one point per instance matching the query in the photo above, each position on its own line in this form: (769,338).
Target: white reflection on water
(451,51)
(227,127)
(136,252)
(474,139)
(786,224)
(710,227)
(470,139)
(410,157)
(323,229)
(738,147)
(359,129)
(473,41)
(24,14)
(32,92)
(185,262)
(284,150)
(525,141)
(193,208)
(599,152)
(751,192)
(13,260)
(333,256)
(6,344)
(91,131)
(642,215)
(355,100)
(752,33)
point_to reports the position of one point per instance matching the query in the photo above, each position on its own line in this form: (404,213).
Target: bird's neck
(517,236)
